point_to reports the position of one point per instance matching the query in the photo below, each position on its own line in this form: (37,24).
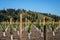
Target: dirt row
(35,35)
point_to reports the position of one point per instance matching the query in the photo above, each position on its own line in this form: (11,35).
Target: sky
(44,6)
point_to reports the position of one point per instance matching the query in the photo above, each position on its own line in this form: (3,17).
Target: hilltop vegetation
(5,15)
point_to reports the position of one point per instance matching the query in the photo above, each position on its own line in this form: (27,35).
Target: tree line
(5,15)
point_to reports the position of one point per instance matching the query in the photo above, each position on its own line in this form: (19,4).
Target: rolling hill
(30,15)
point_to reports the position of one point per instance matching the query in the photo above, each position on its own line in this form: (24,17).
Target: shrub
(11,29)
(29,28)
(54,27)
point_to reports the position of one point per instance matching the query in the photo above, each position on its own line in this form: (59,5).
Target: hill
(5,15)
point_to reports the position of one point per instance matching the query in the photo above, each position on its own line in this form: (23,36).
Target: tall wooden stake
(53,22)
(10,20)
(20,26)
(59,23)
(40,22)
(45,32)
(44,21)
(44,28)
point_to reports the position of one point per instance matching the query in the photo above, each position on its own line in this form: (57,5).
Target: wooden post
(44,21)
(44,28)
(10,20)
(45,32)
(20,26)
(53,22)
(26,22)
(59,23)
(40,22)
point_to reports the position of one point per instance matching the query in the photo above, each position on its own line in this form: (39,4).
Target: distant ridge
(31,15)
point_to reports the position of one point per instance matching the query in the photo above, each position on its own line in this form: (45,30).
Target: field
(30,32)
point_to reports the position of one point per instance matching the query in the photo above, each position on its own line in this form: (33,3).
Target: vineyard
(29,30)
